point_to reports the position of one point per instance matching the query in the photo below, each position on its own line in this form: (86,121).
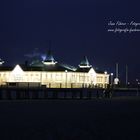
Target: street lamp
(111,78)
(105,72)
(138,83)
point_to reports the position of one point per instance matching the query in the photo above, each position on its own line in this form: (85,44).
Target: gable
(92,72)
(17,70)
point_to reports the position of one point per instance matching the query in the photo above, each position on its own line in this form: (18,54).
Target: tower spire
(84,63)
(49,58)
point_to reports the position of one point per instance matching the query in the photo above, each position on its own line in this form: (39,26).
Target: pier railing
(19,93)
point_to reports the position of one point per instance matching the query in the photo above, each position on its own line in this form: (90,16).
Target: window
(58,77)
(82,78)
(100,79)
(105,79)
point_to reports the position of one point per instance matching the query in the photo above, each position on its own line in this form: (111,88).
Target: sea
(116,118)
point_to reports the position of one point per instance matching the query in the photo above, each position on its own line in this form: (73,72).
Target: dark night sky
(75,28)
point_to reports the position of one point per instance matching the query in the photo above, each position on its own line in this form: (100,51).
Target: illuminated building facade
(51,74)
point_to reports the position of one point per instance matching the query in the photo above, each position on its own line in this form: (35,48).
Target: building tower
(85,63)
(49,58)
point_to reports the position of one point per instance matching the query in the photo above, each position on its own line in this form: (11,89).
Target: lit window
(99,79)
(105,79)
(58,77)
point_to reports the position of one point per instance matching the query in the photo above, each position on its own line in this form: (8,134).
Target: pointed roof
(17,70)
(49,64)
(49,58)
(48,67)
(1,61)
(36,63)
(85,63)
